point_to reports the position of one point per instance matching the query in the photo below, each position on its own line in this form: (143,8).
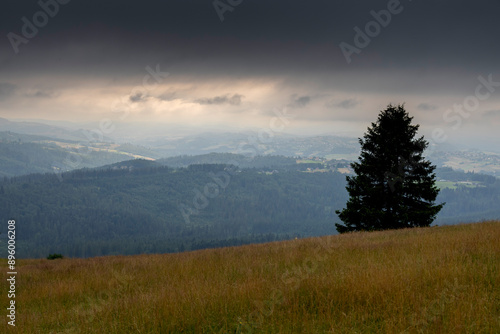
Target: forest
(140,206)
(123,211)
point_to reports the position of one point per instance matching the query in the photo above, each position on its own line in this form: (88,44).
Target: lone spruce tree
(394,186)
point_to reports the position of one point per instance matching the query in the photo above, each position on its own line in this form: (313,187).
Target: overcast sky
(330,65)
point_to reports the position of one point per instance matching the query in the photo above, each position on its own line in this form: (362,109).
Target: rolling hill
(140,206)
(423,280)
(22,154)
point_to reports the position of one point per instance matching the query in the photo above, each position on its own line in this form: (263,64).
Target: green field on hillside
(455,185)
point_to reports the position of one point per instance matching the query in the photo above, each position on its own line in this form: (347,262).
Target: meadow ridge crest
(418,280)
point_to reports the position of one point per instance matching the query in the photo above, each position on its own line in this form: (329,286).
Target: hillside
(241,161)
(139,206)
(125,210)
(22,154)
(426,280)
(250,143)
(36,129)
(21,158)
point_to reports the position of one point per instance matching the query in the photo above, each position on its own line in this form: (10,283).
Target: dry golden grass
(427,280)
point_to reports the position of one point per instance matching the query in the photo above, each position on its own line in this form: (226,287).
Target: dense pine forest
(140,211)
(142,207)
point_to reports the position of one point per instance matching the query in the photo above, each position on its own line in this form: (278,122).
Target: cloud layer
(79,60)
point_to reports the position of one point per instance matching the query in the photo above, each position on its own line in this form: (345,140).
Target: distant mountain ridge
(44,130)
(79,144)
(22,154)
(249,143)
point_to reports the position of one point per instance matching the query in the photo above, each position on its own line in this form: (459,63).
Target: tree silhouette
(394,186)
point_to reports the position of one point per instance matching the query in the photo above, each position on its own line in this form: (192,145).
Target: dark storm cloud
(234,100)
(426,107)
(344,104)
(299,101)
(91,52)
(168,96)
(138,97)
(100,38)
(41,94)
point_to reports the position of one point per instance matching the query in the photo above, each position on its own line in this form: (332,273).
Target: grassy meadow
(426,280)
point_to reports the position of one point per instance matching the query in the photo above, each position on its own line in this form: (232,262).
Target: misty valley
(193,202)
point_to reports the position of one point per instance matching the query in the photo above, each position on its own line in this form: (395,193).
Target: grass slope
(432,280)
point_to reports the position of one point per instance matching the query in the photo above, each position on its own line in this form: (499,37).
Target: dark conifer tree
(394,186)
